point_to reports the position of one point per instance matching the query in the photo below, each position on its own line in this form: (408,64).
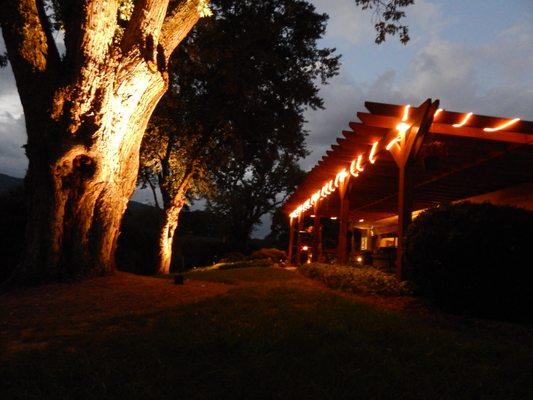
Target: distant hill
(8,183)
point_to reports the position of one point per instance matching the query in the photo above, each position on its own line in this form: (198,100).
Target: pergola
(401,158)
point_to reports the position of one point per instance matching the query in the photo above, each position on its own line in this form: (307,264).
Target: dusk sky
(474,55)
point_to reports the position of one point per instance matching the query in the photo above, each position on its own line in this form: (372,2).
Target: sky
(472,55)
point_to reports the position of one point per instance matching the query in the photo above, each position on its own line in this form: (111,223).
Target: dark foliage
(13,222)
(474,258)
(197,244)
(241,82)
(387,14)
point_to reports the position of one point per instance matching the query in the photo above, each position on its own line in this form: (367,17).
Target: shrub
(367,280)
(275,255)
(233,256)
(474,258)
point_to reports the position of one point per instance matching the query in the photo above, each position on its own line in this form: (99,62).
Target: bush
(233,256)
(275,255)
(367,280)
(474,258)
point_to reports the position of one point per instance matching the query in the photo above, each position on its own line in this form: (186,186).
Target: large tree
(86,111)
(237,107)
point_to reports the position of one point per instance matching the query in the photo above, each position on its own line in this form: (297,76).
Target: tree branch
(146,21)
(27,45)
(53,53)
(178,24)
(90,30)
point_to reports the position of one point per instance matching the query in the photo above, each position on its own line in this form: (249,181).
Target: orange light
(339,178)
(362,220)
(333,218)
(439,110)
(324,191)
(406,112)
(358,165)
(353,170)
(312,215)
(372,155)
(330,186)
(315,197)
(392,142)
(305,248)
(502,126)
(466,118)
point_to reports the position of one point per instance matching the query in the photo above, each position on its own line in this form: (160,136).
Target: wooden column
(405,212)
(344,205)
(404,155)
(291,241)
(316,233)
(299,240)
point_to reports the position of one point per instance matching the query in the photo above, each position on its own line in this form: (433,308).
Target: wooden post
(299,241)
(404,155)
(291,240)
(342,255)
(405,210)
(316,233)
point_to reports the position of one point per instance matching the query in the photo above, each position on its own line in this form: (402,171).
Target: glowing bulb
(324,191)
(439,110)
(305,248)
(406,112)
(502,126)
(353,170)
(362,220)
(358,165)
(392,143)
(465,119)
(330,186)
(372,155)
(333,218)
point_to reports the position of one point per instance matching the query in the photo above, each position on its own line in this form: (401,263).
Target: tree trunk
(166,238)
(79,188)
(172,208)
(86,113)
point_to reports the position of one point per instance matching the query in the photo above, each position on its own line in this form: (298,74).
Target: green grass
(274,336)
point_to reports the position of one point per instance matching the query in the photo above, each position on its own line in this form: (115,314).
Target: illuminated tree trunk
(85,116)
(172,209)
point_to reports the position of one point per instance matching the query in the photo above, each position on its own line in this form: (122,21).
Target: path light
(502,126)
(466,118)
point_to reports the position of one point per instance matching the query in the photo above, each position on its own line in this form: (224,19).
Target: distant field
(247,333)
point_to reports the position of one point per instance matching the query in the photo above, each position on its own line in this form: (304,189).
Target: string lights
(463,122)
(502,126)
(356,165)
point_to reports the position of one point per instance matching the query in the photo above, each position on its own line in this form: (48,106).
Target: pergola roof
(470,160)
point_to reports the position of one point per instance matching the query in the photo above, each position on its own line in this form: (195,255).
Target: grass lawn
(261,333)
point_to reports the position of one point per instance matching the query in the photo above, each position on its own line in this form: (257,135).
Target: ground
(250,333)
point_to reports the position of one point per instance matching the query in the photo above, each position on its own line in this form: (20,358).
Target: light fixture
(333,218)
(305,248)
(362,220)
(502,126)
(463,122)
(372,155)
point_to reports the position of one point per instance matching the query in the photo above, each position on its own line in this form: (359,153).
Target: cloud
(493,78)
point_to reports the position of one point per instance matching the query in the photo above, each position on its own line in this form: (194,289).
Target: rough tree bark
(172,208)
(85,117)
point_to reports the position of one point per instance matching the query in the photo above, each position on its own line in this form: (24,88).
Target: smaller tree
(177,163)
